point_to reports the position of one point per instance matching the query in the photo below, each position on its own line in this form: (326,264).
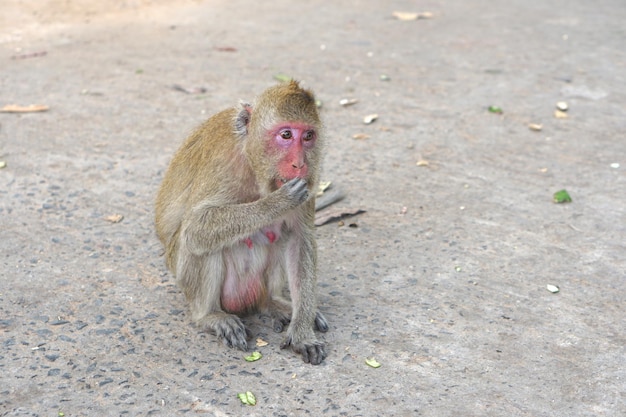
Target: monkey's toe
(279,322)
(312,353)
(320,323)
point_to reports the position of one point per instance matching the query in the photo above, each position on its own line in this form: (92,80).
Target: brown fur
(214,210)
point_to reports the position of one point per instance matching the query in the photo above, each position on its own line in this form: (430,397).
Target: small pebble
(614,165)
(561,105)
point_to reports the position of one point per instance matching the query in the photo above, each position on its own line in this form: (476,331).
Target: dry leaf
(323,186)
(225,49)
(561,105)
(370,118)
(330,215)
(114,218)
(16,108)
(560,114)
(535,126)
(552,288)
(345,102)
(422,163)
(260,342)
(407,16)
(360,136)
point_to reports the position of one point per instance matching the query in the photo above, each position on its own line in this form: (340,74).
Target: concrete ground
(444,281)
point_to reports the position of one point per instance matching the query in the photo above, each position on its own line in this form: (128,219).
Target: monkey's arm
(210,228)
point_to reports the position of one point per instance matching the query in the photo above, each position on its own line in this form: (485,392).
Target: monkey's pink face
(292,141)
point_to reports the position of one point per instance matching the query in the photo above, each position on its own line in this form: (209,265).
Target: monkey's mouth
(280,181)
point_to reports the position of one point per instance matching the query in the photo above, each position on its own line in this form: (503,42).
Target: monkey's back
(199,171)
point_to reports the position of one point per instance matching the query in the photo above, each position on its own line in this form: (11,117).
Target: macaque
(235,214)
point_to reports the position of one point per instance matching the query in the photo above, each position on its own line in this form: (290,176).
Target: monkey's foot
(320,323)
(312,351)
(280,320)
(230,329)
(279,311)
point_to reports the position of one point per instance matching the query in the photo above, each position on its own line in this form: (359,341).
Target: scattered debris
(255,356)
(552,288)
(247,398)
(385,77)
(3,164)
(408,16)
(260,342)
(372,362)
(353,225)
(195,90)
(559,114)
(345,102)
(318,103)
(403,210)
(370,118)
(16,108)
(495,109)
(561,105)
(328,216)
(31,55)
(283,78)
(562,196)
(458,269)
(422,163)
(615,165)
(114,218)
(535,126)
(360,136)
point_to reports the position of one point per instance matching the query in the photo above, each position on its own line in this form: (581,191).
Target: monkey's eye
(308,135)
(286,134)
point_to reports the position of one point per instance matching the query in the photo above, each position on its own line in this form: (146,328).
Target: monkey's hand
(295,191)
(312,351)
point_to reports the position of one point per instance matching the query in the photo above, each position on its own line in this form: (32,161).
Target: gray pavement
(444,279)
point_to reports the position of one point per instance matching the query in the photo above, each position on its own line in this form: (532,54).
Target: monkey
(235,213)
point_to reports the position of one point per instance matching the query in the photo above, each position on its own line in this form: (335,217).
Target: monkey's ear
(243,119)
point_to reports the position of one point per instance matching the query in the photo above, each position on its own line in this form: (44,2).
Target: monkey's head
(282,136)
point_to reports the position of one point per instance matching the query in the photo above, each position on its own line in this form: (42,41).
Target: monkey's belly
(244,283)
(244,288)
(239,296)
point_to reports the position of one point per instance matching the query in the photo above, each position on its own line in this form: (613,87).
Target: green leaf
(495,109)
(562,197)
(372,362)
(247,398)
(283,78)
(255,356)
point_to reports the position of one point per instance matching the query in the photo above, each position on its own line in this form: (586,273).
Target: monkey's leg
(278,308)
(300,268)
(201,278)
